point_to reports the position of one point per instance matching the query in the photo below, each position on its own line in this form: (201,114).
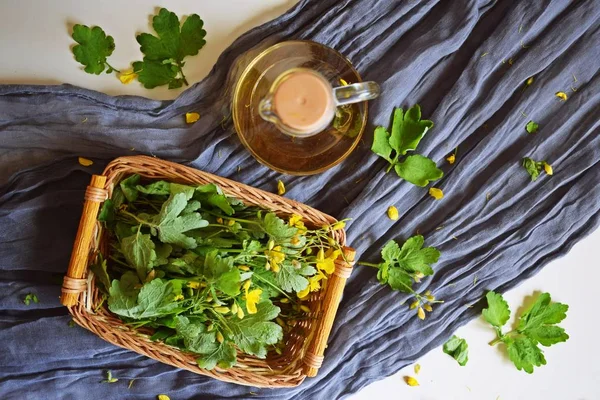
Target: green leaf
(534,168)
(163,55)
(155,188)
(458,349)
(153,73)
(172,226)
(531,127)
(255,332)
(163,251)
(408,129)
(418,170)
(195,336)
(399,279)
(416,259)
(277,228)
(293,279)
(155,299)
(109,378)
(93,48)
(124,292)
(497,313)
(192,36)
(185,189)
(221,273)
(29,298)
(391,251)
(107,212)
(139,252)
(537,322)
(381,145)
(192,205)
(99,270)
(129,187)
(524,353)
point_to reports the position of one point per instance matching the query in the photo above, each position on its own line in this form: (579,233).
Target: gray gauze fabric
(465,62)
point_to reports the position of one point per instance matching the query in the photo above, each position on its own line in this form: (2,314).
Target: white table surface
(34,43)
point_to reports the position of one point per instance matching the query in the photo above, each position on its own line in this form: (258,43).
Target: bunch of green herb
(164,54)
(407,131)
(403,266)
(537,326)
(208,273)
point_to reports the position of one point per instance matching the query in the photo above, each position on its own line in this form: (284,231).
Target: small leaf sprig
(407,131)
(403,266)
(537,326)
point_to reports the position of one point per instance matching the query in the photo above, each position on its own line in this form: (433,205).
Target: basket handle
(335,288)
(74,281)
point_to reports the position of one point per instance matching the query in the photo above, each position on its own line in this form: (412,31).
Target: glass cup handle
(356,93)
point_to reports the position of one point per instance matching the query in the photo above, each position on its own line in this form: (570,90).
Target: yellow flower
(451,158)
(562,96)
(178,297)
(338,225)
(326,262)
(85,162)
(296,221)
(192,117)
(436,193)
(280,188)
(392,213)
(193,285)
(276,257)
(126,77)
(314,284)
(247,285)
(252,298)
(548,168)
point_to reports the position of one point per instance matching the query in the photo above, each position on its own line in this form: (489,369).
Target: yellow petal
(548,168)
(392,213)
(85,162)
(304,292)
(192,117)
(280,188)
(178,297)
(451,158)
(193,285)
(247,286)
(126,77)
(562,96)
(436,193)
(163,397)
(417,368)
(343,82)
(421,313)
(252,298)
(410,381)
(529,81)
(338,225)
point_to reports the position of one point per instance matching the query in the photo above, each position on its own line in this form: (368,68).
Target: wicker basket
(304,346)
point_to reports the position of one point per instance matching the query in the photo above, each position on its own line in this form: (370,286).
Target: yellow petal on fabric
(163,397)
(191,117)
(85,162)
(252,298)
(451,159)
(392,213)
(126,77)
(548,168)
(421,313)
(280,188)
(410,381)
(436,193)
(562,96)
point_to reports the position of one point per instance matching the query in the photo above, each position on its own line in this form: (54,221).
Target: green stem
(500,337)
(141,221)
(182,74)
(366,264)
(113,68)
